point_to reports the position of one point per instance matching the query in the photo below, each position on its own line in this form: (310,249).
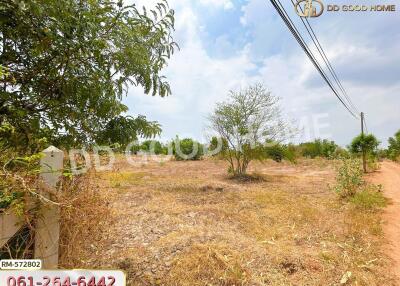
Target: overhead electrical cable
(321,51)
(289,23)
(292,27)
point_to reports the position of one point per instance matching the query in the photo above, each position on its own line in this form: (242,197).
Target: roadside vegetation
(351,186)
(393,152)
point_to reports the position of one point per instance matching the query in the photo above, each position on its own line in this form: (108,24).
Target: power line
(285,17)
(303,44)
(292,27)
(321,51)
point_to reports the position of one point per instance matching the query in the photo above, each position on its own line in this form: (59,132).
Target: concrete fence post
(47,230)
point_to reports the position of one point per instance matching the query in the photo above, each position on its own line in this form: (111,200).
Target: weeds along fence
(45,225)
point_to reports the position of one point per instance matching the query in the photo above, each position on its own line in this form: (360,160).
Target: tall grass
(82,220)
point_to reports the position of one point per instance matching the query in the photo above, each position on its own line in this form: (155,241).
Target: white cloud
(225,4)
(198,80)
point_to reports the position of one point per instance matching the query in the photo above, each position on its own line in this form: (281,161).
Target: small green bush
(276,152)
(340,153)
(189,149)
(291,153)
(349,177)
(318,148)
(369,199)
(158,147)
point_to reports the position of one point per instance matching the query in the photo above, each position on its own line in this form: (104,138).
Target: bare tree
(250,119)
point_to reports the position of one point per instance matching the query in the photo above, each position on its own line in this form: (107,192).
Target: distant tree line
(218,147)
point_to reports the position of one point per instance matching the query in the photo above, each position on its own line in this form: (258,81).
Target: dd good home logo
(309,8)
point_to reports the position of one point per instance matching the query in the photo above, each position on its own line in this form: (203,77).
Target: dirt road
(389,177)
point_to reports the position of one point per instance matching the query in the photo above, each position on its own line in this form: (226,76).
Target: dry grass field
(188,223)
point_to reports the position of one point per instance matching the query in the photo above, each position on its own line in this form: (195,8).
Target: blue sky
(227,45)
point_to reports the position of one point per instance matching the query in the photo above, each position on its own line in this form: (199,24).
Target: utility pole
(364,154)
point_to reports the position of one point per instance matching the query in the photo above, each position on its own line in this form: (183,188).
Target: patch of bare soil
(187,223)
(389,177)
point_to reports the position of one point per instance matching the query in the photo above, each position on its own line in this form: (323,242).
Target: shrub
(187,149)
(318,148)
(291,153)
(158,147)
(309,150)
(340,153)
(328,148)
(349,177)
(276,152)
(394,147)
(369,199)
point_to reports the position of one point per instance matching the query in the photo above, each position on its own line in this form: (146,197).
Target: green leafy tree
(246,121)
(69,63)
(154,146)
(123,130)
(394,146)
(368,143)
(187,149)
